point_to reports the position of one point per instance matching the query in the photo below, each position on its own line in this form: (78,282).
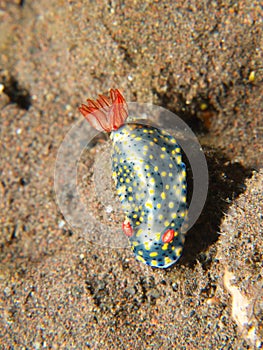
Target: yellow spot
(129,188)
(128,180)
(114,174)
(154,263)
(138,138)
(150,131)
(163,173)
(175,234)
(163,149)
(178,251)
(148,174)
(184,199)
(170,174)
(165,246)
(139,232)
(160,217)
(151,191)
(151,143)
(178,150)
(146,245)
(145,131)
(172,224)
(173,141)
(184,187)
(155,139)
(135,216)
(137,223)
(167,187)
(121,179)
(182,214)
(135,243)
(156,168)
(115,159)
(179,159)
(166,223)
(147,166)
(121,160)
(145,147)
(163,195)
(162,156)
(174,215)
(171,205)
(153,254)
(137,196)
(141,218)
(150,218)
(149,205)
(184,173)
(159,205)
(167,260)
(170,165)
(140,259)
(140,252)
(125,167)
(130,198)
(158,236)
(152,180)
(151,156)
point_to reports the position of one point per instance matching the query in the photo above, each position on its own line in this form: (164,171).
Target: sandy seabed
(199,59)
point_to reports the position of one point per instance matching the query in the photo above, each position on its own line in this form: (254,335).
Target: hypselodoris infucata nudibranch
(150,180)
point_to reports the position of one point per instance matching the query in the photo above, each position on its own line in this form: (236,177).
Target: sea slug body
(150,180)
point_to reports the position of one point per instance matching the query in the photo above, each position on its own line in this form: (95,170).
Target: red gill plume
(106,113)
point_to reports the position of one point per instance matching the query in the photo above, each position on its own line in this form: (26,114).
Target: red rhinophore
(168,236)
(127,229)
(106,113)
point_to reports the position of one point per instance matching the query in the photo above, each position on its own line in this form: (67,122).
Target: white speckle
(61,224)
(1,88)
(82,256)
(109,209)
(130,77)
(18,131)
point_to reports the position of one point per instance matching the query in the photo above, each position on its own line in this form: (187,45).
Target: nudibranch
(150,179)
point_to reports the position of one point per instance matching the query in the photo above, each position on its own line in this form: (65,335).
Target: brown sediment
(201,60)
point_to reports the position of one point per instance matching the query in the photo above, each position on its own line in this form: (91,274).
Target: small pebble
(61,224)
(109,209)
